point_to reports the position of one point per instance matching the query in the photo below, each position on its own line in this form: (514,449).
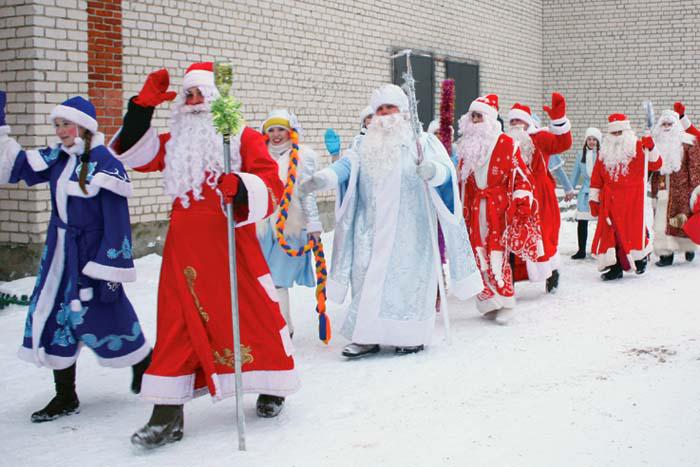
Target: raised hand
(679,108)
(558,109)
(155,90)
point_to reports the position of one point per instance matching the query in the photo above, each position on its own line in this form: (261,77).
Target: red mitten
(228,185)
(594,208)
(648,142)
(679,108)
(558,109)
(155,90)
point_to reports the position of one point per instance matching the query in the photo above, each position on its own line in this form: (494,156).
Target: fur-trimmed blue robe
(78,298)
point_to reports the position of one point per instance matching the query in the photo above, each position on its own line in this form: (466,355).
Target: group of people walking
(407,204)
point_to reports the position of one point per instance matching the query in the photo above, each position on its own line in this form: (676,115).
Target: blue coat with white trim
(78,298)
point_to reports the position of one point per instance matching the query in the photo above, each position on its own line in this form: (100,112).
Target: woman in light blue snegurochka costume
(303,221)
(583,169)
(78,299)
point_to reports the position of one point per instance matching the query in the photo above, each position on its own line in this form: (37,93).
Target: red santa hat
(487,105)
(199,74)
(521,112)
(618,122)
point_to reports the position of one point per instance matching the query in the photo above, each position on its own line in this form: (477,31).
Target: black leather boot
(552,282)
(269,406)
(137,372)
(164,427)
(613,273)
(65,402)
(665,260)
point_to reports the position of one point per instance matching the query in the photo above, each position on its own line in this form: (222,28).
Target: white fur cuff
(9,149)
(560,126)
(141,153)
(685,122)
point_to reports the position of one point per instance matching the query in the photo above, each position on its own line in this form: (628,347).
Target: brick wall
(608,56)
(321,59)
(105,62)
(43,61)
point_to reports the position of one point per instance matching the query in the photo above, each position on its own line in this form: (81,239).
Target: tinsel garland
(7,299)
(447,111)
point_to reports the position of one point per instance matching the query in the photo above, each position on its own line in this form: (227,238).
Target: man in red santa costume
(537,145)
(618,192)
(672,186)
(497,193)
(194,351)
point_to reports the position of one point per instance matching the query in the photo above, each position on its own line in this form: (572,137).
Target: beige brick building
(321,59)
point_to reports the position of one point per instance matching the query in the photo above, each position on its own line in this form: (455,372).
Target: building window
(466,78)
(423,68)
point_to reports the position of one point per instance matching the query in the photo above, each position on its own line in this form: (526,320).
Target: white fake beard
(383,144)
(527,147)
(475,142)
(670,144)
(194,153)
(616,152)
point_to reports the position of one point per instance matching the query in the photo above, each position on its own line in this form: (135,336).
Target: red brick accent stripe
(105,62)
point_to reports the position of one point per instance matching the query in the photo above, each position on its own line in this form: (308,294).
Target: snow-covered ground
(597,375)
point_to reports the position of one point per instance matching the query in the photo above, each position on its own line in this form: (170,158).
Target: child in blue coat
(78,299)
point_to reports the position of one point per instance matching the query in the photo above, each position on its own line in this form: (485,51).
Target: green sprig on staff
(227,115)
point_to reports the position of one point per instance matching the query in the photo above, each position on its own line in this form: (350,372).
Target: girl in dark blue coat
(78,299)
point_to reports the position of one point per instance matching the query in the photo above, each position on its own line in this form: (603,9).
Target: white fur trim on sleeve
(560,126)
(258,198)
(315,226)
(654,154)
(694,197)
(141,153)
(109,273)
(113,184)
(36,162)
(594,194)
(329,177)
(9,149)
(441,175)
(685,121)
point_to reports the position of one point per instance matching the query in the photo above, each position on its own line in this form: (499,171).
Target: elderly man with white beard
(497,192)
(617,198)
(672,187)
(194,351)
(385,247)
(537,146)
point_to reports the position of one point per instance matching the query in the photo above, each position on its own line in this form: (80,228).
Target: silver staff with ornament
(228,120)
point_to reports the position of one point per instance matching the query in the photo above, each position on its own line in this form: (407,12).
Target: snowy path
(596,375)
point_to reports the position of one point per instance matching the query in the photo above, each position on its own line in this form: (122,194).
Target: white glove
(315,183)
(427,170)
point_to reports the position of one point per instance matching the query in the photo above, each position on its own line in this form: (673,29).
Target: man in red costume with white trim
(497,193)
(194,352)
(537,145)
(618,192)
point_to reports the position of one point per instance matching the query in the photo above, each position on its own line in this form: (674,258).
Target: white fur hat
(389,94)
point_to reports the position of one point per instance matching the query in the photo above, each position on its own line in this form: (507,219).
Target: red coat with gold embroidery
(194,339)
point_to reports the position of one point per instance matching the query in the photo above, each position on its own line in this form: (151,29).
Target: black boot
(582,232)
(689,256)
(137,372)
(664,260)
(165,426)
(640,266)
(409,350)
(613,273)
(66,400)
(552,282)
(269,406)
